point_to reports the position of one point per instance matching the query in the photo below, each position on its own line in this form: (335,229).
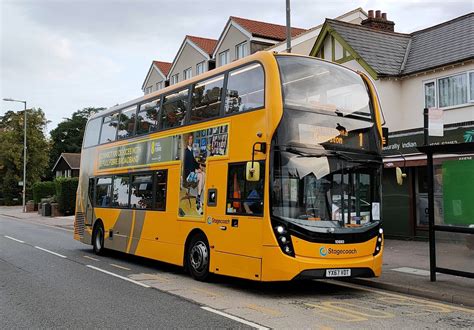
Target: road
(47,279)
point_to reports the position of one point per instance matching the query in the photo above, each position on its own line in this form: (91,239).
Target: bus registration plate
(338,272)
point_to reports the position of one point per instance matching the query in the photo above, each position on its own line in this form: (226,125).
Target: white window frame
(240,46)
(200,65)
(225,53)
(426,82)
(187,73)
(174,79)
(470,98)
(159,85)
(148,90)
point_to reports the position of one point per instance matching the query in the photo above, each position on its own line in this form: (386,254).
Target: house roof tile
(205,44)
(164,67)
(266,30)
(396,54)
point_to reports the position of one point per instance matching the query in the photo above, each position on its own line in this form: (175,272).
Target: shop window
(244,197)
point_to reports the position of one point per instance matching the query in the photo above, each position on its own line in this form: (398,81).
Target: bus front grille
(79,224)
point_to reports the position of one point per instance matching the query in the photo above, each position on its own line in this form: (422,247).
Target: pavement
(405,265)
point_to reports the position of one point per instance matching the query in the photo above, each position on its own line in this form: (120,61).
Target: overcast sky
(65,55)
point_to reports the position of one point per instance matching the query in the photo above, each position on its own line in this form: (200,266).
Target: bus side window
(174,109)
(147,119)
(103,192)
(91,190)
(245,89)
(109,128)
(206,99)
(244,197)
(126,122)
(160,196)
(91,137)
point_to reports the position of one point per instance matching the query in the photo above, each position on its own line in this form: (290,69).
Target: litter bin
(46,210)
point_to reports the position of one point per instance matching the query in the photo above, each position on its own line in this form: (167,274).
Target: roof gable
(72,159)
(205,46)
(397,54)
(162,68)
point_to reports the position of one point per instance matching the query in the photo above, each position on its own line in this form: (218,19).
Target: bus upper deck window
(174,109)
(245,89)
(206,99)
(91,137)
(147,119)
(126,122)
(109,128)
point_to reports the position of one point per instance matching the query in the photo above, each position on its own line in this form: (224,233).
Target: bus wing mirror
(400,175)
(252,171)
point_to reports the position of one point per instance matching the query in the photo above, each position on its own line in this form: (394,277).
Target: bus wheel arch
(197,255)
(98,235)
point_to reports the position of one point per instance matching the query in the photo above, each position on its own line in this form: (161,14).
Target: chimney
(379,22)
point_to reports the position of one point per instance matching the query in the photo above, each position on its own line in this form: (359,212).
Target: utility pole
(288,27)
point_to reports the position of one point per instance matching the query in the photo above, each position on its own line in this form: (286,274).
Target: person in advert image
(194,171)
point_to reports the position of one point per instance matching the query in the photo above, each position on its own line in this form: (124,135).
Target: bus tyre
(198,257)
(98,239)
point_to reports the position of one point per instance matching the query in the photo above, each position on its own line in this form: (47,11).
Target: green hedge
(43,190)
(66,194)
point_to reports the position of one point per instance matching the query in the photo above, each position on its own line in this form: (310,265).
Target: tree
(11,151)
(67,136)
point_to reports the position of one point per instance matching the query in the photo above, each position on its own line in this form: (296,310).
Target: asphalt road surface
(47,279)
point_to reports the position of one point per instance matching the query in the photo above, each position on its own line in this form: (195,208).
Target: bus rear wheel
(198,257)
(98,239)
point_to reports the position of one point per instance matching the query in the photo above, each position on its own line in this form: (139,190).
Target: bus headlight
(378,243)
(284,240)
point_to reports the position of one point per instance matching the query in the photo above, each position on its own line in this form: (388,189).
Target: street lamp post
(24,151)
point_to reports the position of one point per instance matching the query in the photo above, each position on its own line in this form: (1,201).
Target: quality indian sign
(139,153)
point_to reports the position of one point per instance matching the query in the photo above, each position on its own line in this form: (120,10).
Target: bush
(66,194)
(43,190)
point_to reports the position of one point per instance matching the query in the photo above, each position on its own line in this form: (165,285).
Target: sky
(66,55)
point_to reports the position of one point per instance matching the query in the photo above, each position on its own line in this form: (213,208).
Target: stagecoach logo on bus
(323,251)
(211,220)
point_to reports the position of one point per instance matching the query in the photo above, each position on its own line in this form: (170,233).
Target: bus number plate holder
(338,272)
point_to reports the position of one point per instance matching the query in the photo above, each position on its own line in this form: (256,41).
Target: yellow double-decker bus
(267,169)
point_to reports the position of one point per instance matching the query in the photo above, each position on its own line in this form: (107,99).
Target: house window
(174,79)
(199,68)
(224,57)
(159,85)
(450,91)
(430,94)
(241,50)
(148,90)
(188,73)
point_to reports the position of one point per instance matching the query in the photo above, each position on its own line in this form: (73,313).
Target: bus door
(89,200)
(234,215)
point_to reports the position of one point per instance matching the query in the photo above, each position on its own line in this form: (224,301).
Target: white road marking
(91,258)
(13,239)
(116,275)
(235,318)
(45,250)
(121,267)
(414,271)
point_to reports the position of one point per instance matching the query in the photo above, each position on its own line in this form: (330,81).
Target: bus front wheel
(98,239)
(198,257)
